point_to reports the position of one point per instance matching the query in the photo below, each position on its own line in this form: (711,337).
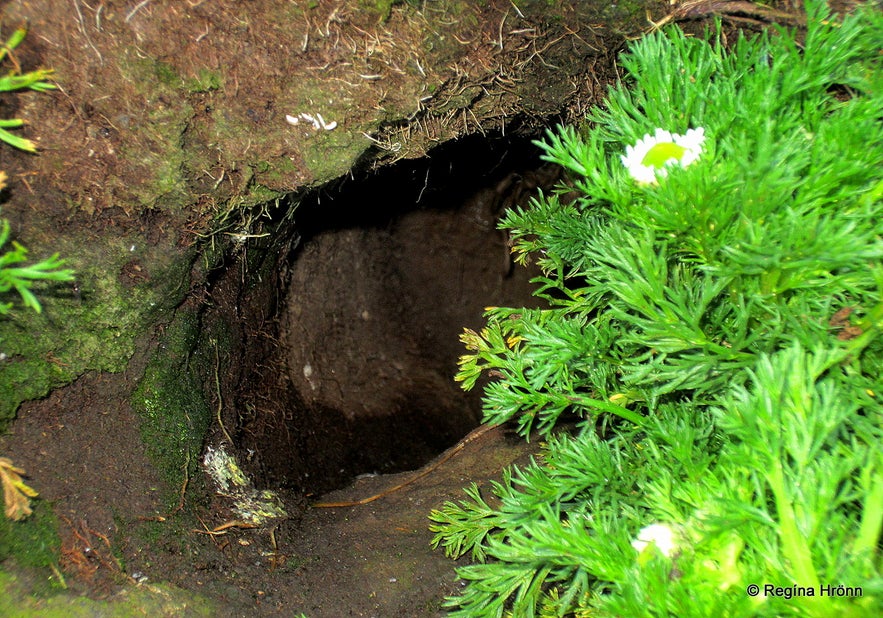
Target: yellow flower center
(662,152)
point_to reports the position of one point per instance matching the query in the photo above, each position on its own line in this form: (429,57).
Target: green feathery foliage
(15,80)
(14,275)
(716,326)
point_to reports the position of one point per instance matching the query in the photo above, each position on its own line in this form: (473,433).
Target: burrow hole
(385,273)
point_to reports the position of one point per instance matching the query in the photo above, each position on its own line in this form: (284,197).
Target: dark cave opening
(385,271)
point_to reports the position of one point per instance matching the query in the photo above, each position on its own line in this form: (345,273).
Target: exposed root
(471,437)
(736,10)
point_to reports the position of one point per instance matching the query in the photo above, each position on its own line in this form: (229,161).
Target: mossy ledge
(123,283)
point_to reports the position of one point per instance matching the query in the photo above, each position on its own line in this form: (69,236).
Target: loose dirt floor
(372,559)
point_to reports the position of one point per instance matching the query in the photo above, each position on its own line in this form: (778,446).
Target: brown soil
(378,297)
(369,560)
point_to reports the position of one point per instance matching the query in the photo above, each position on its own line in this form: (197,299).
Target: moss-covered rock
(123,284)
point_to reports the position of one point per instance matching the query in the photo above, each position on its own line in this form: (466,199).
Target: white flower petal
(692,141)
(659,535)
(634,156)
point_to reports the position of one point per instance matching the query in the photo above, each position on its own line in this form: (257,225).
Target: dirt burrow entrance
(386,273)
(338,377)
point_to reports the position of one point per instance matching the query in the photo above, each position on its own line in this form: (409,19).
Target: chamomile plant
(714,319)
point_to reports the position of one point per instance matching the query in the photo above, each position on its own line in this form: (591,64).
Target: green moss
(159,153)
(259,194)
(152,533)
(273,173)
(156,147)
(205,81)
(18,599)
(169,400)
(164,73)
(227,139)
(330,154)
(383,8)
(94,328)
(33,541)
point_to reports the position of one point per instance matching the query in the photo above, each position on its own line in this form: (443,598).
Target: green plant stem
(606,406)
(796,550)
(872,514)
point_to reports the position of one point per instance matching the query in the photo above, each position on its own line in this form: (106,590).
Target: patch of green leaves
(718,333)
(15,275)
(15,80)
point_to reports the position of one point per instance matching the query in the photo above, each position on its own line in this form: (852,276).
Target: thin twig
(137,8)
(82,26)
(223,528)
(218,393)
(184,484)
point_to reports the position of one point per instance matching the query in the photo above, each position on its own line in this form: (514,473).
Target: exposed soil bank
(168,136)
(368,283)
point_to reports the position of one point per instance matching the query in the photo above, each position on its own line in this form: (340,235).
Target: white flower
(650,157)
(660,536)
